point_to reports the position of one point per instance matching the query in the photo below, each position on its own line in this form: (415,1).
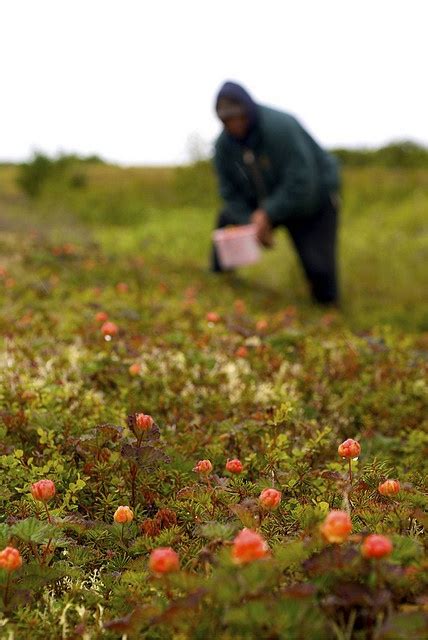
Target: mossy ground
(280,394)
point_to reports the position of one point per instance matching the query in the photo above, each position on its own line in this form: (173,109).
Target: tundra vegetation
(188,457)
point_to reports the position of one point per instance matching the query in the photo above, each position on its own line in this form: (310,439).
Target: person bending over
(272,173)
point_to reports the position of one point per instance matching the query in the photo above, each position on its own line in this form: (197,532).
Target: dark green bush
(400,154)
(34,174)
(41,170)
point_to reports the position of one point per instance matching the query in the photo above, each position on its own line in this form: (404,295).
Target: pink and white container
(237,246)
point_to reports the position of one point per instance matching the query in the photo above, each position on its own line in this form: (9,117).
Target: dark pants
(315,241)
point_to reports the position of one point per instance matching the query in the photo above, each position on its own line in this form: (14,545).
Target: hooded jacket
(278,166)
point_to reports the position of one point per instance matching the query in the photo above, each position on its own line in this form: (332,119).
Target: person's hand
(260,218)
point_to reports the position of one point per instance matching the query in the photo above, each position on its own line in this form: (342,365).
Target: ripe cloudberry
(349,449)
(248,546)
(109,329)
(123,515)
(135,369)
(203,467)
(213,317)
(336,527)
(376,546)
(389,487)
(143,422)
(10,559)
(164,560)
(234,466)
(43,490)
(270,498)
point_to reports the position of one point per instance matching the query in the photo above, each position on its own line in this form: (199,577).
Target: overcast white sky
(131,80)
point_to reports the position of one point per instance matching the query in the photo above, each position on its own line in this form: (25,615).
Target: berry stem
(34,551)
(167,585)
(47,513)
(46,551)
(378,573)
(350,470)
(6,591)
(133,473)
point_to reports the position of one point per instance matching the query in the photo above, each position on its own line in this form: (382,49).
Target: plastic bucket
(237,246)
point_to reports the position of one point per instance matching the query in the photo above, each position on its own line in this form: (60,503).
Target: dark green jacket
(292,175)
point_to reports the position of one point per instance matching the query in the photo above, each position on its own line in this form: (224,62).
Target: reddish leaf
(330,559)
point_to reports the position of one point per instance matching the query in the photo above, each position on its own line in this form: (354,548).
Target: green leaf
(407,549)
(292,553)
(32,530)
(36,576)
(405,625)
(248,518)
(214,530)
(4,534)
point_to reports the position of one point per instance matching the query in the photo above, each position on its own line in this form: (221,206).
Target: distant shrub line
(41,169)
(70,168)
(397,154)
(96,191)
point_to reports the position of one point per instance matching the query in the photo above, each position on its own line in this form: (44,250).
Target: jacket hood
(238,95)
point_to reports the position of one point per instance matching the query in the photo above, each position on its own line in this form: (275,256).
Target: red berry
(164,560)
(134,369)
(123,515)
(336,527)
(248,546)
(43,490)
(203,467)
(213,317)
(143,422)
(376,546)
(349,449)
(109,329)
(270,498)
(10,559)
(234,466)
(389,487)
